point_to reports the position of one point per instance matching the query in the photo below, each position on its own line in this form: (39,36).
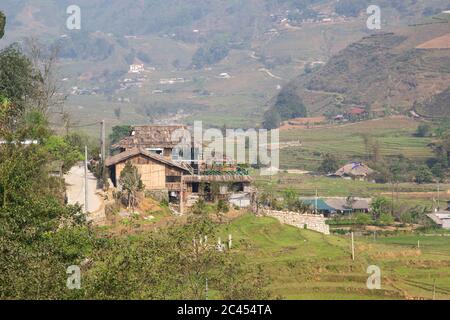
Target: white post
(103,139)
(206,289)
(315,204)
(230,241)
(439,196)
(434,289)
(86,208)
(353,248)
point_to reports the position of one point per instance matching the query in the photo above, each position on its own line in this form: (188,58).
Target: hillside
(304,264)
(437,107)
(261,45)
(384,72)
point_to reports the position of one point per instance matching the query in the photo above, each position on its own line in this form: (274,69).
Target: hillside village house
(354,171)
(338,205)
(441,217)
(153,151)
(137,68)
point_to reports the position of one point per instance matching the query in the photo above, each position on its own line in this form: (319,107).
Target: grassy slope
(395,136)
(307,265)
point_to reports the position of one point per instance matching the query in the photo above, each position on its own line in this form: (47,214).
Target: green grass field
(306,185)
(394,135)
(304,264)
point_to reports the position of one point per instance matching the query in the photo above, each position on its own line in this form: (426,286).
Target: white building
(137,68)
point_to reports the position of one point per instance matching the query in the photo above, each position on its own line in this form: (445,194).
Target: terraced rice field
(394,135)
(307,265)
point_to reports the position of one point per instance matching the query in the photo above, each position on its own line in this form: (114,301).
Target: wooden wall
(153,173)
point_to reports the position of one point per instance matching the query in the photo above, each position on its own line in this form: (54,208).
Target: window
(171,179)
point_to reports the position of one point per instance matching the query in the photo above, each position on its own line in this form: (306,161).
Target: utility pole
(434,289)
(439,196)
(392,205)
(85,179)
(103,142)
(353,247)
(315,204)
(206,289)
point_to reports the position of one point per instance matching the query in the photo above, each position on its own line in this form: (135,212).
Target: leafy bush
(363,219)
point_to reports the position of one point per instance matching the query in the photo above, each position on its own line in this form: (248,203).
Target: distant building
(331,206)
(354,171)
(357,111)
(442,217)
(153,149)
(137,68)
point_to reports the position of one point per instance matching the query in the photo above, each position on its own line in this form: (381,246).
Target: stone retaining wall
(314,222)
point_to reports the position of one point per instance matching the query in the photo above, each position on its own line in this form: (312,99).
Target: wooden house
(157,172)
(152,150)
(159,139)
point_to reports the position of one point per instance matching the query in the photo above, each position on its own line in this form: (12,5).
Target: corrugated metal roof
(321,204)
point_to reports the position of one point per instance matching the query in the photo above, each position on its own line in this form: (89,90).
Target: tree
(60,149)
(363,219)
(386,219)
(17,78)
(423,130)
(118,112)
(289,105)
(272,120)
(118,133)
(173,263)
(130,180)
(379,206)
(329,164)
(222,207)
(2,24)
(424,175)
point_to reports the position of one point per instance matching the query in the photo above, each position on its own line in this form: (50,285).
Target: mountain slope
(381,71)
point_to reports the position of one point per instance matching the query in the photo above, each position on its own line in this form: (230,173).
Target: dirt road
(75,189)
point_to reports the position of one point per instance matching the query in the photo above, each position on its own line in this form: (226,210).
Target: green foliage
(350,8)
(289,105)
(17,77)
(200,207)
(131,183)
(292,202)
(2,24)
(205,56)
(79,140)
(272,119)
(173,263)
(330,164)
(424,175)
(379,206)
(118,133)
(61,149)
(222,206)
(386,219)
(81,45)
(363,219)
(424,130)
